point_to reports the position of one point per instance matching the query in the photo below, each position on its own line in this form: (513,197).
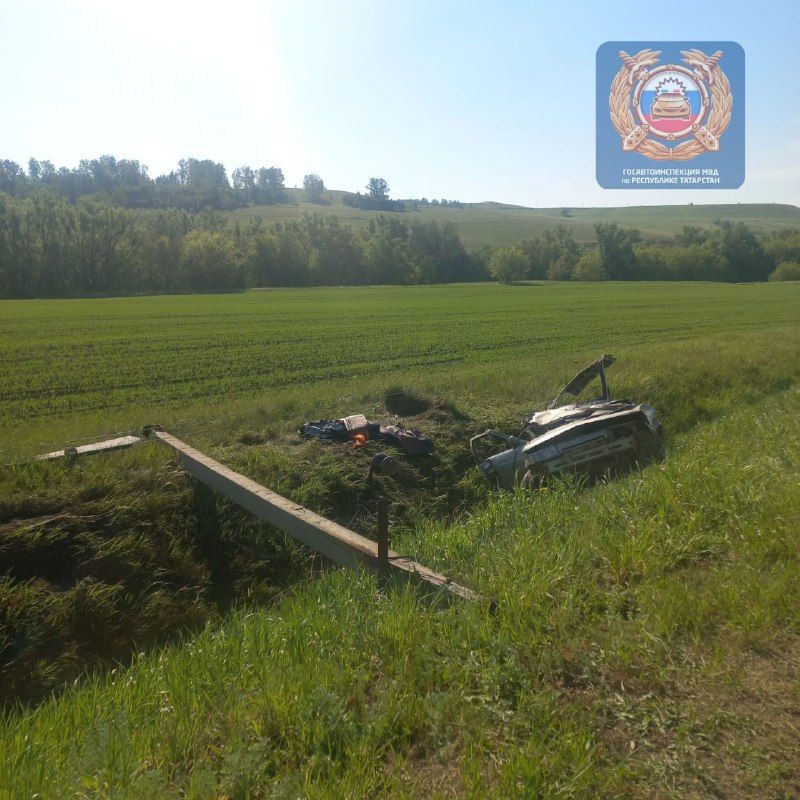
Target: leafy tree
(195,185)
(369,203)
(244,179)
(589,267)
(509,264)
(336,257)
(386,251)
(314,187)
(378,189)
(615,244)
(436,253)
(212,262)
(270,183)
(204,175)
(554,244)
(696,262)
(744,254)
(261,261)
(783,245)
(12,178)
(55,241)
(560,269)
(651,263)
(691,234)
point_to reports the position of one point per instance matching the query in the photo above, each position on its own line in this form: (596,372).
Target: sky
(465,100)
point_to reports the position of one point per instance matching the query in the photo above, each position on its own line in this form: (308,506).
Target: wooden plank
(91,449)
(329,538)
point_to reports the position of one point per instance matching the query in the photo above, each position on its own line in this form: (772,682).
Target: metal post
(383,532)
(604,381)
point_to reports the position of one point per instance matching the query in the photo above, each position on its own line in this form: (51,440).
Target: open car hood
(585,377)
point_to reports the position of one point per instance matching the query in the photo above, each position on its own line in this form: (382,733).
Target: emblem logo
(670,112)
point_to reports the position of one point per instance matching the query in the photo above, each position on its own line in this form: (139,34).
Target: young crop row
(69,358)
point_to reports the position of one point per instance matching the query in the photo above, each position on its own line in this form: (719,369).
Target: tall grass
(618,606)
(122,551)
(626,611)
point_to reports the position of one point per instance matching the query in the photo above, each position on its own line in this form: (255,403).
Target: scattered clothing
(358,429)
(335,430)
(413,443)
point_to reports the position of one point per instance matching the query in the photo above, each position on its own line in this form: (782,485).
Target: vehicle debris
(120,443)
(359,430)
(589,437)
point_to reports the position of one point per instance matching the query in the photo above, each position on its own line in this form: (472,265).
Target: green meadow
(156,641)
(496,224)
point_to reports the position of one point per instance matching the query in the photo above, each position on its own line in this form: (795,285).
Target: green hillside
(498,224)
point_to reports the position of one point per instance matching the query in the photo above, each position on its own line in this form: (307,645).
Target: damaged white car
(592,437)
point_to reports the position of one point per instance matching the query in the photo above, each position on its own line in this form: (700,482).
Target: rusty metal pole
(383,532)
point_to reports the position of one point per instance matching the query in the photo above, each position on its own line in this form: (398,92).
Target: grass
(76,368)
(494,224)
(646,637)
(625,658)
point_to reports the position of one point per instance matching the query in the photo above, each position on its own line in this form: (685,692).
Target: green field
(647,628)
(480,224)
(81,367)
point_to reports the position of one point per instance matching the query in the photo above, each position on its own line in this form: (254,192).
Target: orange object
(359,440)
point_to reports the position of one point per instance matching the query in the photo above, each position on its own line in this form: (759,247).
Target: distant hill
(493,223)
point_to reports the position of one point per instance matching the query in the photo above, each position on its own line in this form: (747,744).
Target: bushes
(693,262)
(786,271)
(589,268)
(553,245)
(508,264)
(731,252)
(783,246)
(211,262)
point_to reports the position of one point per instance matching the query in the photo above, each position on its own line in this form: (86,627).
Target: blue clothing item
(411,442)
(328,430)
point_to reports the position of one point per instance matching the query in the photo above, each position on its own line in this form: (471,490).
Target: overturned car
(591,437)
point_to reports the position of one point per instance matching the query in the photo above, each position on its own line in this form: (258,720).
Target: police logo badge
(672,111)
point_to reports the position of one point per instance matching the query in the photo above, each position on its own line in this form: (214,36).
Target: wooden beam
(91,449)
(329,538)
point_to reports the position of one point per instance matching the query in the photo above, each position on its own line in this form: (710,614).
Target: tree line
(50,247)
(196,185)
(728,252)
